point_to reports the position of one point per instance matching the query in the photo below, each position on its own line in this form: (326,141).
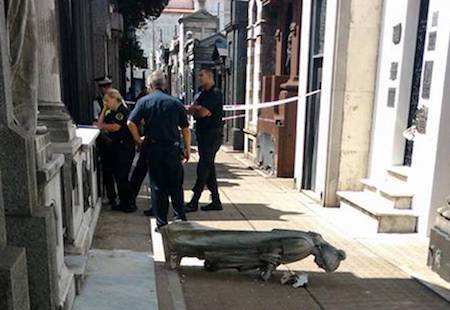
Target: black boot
(214,206)
(193,205)
(115,206)
(129,209)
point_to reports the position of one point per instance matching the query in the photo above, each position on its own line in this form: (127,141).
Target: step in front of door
(375,212)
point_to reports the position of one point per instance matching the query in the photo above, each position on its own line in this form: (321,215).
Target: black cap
(104,82)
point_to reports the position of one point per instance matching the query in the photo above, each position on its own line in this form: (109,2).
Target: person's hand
(186,155)
(190,109)
(98,125)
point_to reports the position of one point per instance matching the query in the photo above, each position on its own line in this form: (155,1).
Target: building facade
(410,123)
(50,193)
(371,140)
(277,125)
(90,33)
(200,54)
(333,125)
(236,67)
(260,62)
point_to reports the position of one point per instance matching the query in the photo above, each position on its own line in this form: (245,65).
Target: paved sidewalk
(372,277)
(121,271)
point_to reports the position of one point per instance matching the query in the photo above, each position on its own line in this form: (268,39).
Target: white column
(391,118)
(431,158)
(302,89)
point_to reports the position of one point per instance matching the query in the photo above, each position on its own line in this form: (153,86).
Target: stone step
(399,172)
(375,210)
(77,264)
(396,193)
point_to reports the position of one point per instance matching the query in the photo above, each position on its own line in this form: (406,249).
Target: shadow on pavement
(242,211)
(341,290)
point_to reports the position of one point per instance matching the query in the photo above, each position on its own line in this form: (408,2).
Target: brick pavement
(368,279)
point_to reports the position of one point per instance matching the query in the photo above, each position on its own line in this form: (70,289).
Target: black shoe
(130,209)
(158,228)
(213,207)
(115,206)
(149,212)
(191,207)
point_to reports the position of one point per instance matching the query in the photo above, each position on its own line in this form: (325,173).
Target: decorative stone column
(27,225)
(52,111)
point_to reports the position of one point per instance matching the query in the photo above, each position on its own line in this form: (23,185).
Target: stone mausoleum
(50,197)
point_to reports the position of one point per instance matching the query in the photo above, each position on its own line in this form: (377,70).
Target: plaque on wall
(427,75)
(394,70)
(435,20)
(397,33)
(421,119)
(391,97)
(432,40)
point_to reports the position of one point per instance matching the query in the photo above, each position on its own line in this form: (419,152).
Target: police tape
(228,118)
(269,104)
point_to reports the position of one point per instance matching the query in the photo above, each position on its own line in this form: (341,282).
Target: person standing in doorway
(208,114)
(163,117)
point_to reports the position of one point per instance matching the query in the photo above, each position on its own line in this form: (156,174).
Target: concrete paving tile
(118,280)
(233,290)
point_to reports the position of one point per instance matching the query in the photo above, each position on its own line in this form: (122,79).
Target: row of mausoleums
(383,68)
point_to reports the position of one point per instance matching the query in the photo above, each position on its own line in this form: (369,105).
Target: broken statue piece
(246,250)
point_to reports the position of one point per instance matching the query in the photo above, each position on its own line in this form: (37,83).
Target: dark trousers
(166,177)
(123,159)
(208,145)
(139,174)
(107,160)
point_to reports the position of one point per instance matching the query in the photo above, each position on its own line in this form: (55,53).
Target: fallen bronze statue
(246,250)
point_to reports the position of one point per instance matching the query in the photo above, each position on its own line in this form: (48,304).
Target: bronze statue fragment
(246,250)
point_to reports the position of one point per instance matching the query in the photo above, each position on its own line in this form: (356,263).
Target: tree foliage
(135,13)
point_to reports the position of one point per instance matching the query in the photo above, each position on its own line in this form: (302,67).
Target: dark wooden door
(417,75)
(318,15)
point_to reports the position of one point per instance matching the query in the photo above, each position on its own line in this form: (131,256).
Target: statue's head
(327,256)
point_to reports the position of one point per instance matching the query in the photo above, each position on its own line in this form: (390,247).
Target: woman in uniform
(113,119)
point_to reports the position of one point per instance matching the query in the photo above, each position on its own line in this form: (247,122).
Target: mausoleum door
(417,76)
(318,15)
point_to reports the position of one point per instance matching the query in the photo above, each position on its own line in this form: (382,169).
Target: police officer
(164,116)
(113,119)
(208,113)
(104,144)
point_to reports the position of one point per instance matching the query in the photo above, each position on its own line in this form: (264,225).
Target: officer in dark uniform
(164,116)
(208,113)
(113,119)
(104,144)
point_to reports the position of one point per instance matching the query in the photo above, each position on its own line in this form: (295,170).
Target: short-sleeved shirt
(119,117)
(212,100)
(163,116)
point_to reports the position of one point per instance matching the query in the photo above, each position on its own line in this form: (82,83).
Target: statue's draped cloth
(22,28)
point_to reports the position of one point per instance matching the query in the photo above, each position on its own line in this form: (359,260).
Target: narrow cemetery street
(380,272)
(298,152)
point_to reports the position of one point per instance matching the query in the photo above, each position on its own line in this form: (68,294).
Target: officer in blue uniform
(208,113)
(163,117)
(113,119)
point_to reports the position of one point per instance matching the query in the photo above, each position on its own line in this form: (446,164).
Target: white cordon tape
(262,105)
(228,118)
